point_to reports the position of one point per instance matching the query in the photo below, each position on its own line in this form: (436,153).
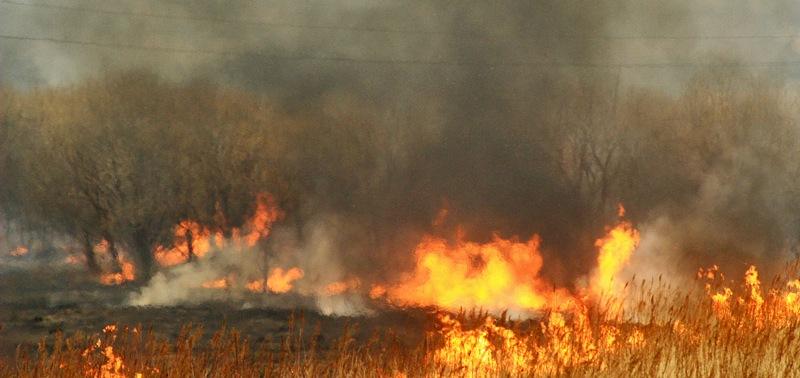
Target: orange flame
(492,349)
(127,269)
(192,238)
(189,236)
(280,281)
(265,215)
(377,291)
(113,366)
(615,249)
(220,283)
(73,260)
(498,275)
(127,273)
(503,274)
(779,308)
(340,287)
(468,351)
(792,298)
(19,251)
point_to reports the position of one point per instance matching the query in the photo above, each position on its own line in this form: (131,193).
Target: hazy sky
(421,31)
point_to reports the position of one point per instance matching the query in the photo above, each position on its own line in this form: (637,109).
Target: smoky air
(369,158)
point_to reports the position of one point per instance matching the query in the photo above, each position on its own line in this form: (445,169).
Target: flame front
(113,365)
(614,252)
(19,251)
(279,281)
(341,287)
(221,283)
(495,348)
(127,271)
(501,274)
(194,240)
(191,239)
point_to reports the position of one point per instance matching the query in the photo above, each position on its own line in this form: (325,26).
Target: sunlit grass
(659,332)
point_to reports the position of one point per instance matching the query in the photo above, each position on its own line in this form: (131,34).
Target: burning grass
(745,331)
(716,327)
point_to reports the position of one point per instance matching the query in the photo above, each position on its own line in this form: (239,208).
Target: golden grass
(658,333)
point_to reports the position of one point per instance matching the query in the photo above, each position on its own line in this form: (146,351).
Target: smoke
(514,115)
(319,252)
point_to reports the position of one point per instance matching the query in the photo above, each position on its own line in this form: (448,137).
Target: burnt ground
(37,301)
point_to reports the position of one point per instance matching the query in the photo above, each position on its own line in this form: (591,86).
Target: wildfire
(615,249)
(19,251)
(127,271)
(492,348)
(780,307)
(221,283)
(279,281)
(501,274)
(260,224)
(194,240)
(340,287)
(377,291)
(113,366)
(753,285)
(792,298)
(469,351)
(73,260)
(191,240)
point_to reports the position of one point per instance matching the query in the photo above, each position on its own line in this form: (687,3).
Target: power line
(241,22)
(346,59)
(222,20)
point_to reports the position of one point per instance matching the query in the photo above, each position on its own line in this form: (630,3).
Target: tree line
(126,156)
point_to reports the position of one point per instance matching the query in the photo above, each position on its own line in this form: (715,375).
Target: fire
(710,273)
(751,308)
(720,301)
(339,287)
(792,298)
(494,348)
(127,271)
(73,260)
(19,251)
(279,281)
(256,286)
(468,351)
(191,239)
(194,240)
(113,367)
(503,274)
(377,291)
(260,224)
(221,283)
(753,287)
(498,275)
(615,249)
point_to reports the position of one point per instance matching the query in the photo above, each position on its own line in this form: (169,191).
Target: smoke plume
(517,117)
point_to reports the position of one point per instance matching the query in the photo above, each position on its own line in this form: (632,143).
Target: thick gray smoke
(519,117)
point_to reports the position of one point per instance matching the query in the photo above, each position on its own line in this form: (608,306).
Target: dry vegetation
(123,159)
(126,157)
(712,331)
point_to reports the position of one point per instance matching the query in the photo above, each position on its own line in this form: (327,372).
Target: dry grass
(659,333)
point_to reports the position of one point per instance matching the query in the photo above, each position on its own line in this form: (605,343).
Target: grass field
(714,329)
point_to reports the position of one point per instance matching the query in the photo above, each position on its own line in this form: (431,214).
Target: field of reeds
(712,330)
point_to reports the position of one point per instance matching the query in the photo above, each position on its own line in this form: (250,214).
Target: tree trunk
(189,245)
(88,252)
(142,249)
(114,252)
